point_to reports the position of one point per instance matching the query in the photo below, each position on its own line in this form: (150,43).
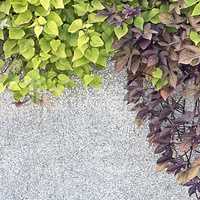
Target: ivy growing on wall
(162,56)
(47,44)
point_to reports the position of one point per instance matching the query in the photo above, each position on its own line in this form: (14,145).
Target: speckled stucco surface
(81,146)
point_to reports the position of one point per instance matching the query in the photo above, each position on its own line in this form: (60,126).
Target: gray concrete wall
(81,146)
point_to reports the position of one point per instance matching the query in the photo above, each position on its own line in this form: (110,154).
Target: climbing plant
(162,57)
(47,44)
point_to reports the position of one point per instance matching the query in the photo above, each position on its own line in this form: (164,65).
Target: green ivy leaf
(161,83)
(196,10)
(19,6)
(121,31)
(96,82)
(81,8)
(10,47)
(139,22)
(83,48)
(40,11)
(38,30)
(80,62)
(150,14)
(82,39)
(96,41)
(77,54)
(44,56)
(190,2)
(14,86)
(23,18)
(16,33)
(51,28)
(60,53)
(44,45)
(88,79)
(41,20)
(63,64)
(34,74)
(92,54)
(26,48)
(5,6)
(157,73)
(63,79)
(36,62)
(102,61)
(94,18)
(53,16)
(55,44)
(195,37)
(107,29)
(76,26)
(45,4)
(97,5)
(58,4)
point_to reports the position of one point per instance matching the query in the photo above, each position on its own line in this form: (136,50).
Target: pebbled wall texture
(81,146)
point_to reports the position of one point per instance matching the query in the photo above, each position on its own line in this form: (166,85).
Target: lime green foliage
(195,37)
(51,41)
(195,4)
(121,31)
(139,22)
(158,80)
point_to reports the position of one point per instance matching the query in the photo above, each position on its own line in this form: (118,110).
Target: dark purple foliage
(117,18)
(174,129)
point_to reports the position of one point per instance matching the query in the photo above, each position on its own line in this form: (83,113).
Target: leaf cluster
(161,54)
(46,44)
